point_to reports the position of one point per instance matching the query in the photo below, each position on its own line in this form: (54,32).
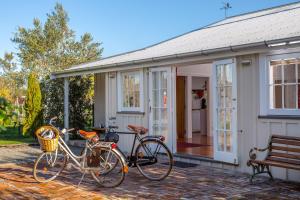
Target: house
(214,93)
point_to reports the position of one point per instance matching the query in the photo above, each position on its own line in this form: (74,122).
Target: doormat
(181,164)
(186,144)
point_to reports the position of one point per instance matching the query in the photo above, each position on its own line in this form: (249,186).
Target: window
(284,78)
(130,91)
(281,85)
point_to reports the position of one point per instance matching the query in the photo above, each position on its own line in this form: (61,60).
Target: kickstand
(81,179)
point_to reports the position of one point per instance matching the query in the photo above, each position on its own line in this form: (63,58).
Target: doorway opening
(193,114)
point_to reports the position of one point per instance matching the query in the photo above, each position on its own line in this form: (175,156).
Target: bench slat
(285,141)
(283,160)
(276,164)
(285,155)
(289,149)
(286,137)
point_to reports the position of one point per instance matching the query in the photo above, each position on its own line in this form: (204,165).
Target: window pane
(221,115)
(155,79)
(228,119)
(137,99)
(164,80)
(228,141)
(289,73)
(131,90)
(155,98)
(228,74)
(220,140)
(228,99)
(131,98)
(125,99)
(219,74)
(290,96)
(277,96)
(164,98)
(221,95)
(275,74)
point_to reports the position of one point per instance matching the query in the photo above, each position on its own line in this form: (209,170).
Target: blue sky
(124,25)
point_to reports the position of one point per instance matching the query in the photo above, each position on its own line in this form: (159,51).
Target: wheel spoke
(157,163)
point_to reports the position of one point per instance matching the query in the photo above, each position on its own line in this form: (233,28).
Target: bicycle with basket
(101,159)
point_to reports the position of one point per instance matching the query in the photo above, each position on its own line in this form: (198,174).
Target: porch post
(66,106)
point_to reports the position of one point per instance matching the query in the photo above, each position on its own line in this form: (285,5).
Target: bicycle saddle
(138,129)
(87,134)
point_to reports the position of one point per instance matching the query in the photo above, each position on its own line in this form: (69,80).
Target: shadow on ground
(188,183)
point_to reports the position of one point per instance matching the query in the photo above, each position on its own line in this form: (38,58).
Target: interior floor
(198,145)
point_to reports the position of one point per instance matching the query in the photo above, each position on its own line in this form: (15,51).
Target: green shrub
(33,108)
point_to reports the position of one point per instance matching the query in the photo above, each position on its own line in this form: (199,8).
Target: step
(204,161)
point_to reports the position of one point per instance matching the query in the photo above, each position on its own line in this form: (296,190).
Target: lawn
(11,136)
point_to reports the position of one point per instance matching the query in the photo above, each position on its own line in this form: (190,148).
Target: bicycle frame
(70,154)
(131,159)
(82,157)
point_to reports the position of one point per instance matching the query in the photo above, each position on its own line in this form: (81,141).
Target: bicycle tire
(37,162)
(109,171)
(169,156)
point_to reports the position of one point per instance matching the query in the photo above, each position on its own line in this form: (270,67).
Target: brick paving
(16,182)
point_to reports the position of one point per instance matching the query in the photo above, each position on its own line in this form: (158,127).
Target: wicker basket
(48,145)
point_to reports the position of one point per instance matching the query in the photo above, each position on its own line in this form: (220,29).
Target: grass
(11,136)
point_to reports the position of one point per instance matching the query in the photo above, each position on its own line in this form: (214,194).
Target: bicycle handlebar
(71,129)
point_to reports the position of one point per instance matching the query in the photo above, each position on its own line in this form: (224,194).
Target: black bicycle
(151,156)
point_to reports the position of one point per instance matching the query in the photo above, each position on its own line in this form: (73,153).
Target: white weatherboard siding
(99,98)
(113,116)
(255,132)
(252,131)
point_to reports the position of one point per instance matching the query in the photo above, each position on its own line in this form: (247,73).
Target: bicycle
(101,159)
(152,157)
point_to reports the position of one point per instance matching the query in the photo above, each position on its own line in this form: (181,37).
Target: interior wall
(199,70)
(199,117)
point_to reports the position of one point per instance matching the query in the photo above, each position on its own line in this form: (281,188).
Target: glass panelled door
(160,99)
(225,113)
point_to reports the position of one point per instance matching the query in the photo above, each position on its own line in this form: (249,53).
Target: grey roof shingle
(266,25)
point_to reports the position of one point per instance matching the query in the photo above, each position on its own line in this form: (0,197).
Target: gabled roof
(264,26)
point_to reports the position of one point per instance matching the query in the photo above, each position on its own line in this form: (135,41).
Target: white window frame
(265,99)
(121,108)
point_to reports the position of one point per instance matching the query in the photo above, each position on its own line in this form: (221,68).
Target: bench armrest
(253,152)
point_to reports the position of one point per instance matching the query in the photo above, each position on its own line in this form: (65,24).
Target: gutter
(264,44)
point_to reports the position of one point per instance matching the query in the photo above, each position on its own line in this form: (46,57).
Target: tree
(52,46)
(11,81)
(33,107)
(7,114)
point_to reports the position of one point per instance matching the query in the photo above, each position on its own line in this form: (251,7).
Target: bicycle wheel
(153,159)
(111,169)
(48,166)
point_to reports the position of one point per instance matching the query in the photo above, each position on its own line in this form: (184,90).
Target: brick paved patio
(16,182)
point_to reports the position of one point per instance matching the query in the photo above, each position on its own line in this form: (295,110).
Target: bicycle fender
(121,156)
(153,138)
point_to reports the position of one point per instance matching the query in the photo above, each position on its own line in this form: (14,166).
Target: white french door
(225,111)
(160,121)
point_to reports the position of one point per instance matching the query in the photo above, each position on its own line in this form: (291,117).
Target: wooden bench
(283,151)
